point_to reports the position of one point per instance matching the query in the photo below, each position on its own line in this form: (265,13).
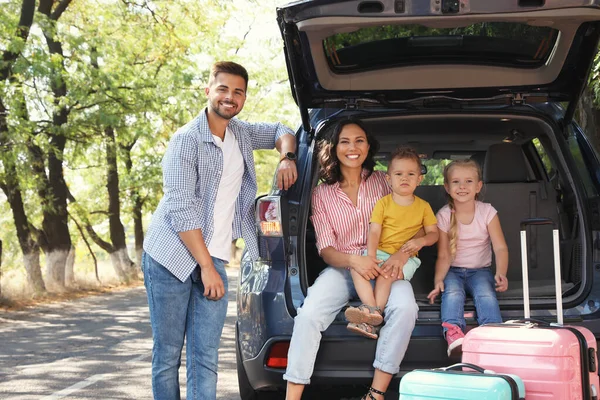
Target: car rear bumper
(346,361)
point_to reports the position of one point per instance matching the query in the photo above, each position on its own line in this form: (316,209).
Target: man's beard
(225,115)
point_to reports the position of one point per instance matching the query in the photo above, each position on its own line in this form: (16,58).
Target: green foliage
(435,171)
(594,81)
(139,68)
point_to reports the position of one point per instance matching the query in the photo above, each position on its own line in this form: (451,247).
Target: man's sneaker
(454,337)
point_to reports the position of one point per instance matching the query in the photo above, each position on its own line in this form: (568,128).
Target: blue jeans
(480,284)
(179,310)
(325,298)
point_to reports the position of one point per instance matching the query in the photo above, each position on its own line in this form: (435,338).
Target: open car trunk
(527,174)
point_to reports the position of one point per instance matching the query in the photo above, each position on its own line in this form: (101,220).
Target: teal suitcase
(452,383)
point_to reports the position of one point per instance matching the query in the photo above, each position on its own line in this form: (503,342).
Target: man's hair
(405,153)
(228,67)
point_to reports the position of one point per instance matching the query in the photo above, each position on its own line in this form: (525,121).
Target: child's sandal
(369,394)
(364,314)
(364,329)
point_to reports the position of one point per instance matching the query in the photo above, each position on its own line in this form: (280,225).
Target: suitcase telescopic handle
(557,279)
(538,221)
(529,321)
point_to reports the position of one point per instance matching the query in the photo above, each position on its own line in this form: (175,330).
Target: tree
(9,181)
(92,98)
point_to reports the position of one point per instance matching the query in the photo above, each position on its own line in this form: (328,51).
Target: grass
(16,294)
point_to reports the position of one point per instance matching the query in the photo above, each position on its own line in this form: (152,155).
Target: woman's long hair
(453,230)
(327,154)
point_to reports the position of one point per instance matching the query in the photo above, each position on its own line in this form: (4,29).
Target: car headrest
(479,158)
(505,163)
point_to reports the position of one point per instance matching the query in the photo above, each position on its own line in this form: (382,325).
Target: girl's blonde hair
(453,230)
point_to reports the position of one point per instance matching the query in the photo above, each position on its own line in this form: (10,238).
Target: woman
(341,208)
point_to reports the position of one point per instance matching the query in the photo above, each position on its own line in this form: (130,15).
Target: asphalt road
(99,347)
(94,348)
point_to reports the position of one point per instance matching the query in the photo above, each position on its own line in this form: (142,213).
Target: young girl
(395,220)
(464,254)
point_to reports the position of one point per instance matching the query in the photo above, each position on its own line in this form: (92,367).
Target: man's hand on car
(213,284)
(286,174)
(367,266)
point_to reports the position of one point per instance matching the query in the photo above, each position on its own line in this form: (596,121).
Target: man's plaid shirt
(192,168)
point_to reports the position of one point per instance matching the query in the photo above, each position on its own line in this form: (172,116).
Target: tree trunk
(138,203)
(33,268)
(116,258)
(29,247)
(70,268)
(117,231)
(138,228)
(122,269)
(10,186)
(55,222)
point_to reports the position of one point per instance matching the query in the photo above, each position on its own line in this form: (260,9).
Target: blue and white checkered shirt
(192,168)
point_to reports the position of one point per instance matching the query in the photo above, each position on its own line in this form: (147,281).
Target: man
(209,189)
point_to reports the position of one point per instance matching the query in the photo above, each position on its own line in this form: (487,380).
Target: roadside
(94,347)
(19,300)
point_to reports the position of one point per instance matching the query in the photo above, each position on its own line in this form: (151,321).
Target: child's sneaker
(454,337)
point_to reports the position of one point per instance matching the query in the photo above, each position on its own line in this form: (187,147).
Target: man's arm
(269,135)
(213,284)
(180,177)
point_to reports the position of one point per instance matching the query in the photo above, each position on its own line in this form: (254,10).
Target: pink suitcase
(555,361)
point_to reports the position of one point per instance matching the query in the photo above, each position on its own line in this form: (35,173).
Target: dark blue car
(496,81)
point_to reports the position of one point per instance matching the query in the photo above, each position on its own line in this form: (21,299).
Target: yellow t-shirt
(400,223)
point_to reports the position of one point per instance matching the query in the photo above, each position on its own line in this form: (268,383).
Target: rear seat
(510,190)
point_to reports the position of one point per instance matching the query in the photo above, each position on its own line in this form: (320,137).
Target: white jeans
(326,297)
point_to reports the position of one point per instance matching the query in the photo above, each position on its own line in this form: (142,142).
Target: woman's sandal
(369,394)
(364,329)
(364,314)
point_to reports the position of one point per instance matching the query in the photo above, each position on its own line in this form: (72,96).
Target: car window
(435,170)
(543,157)
(490,43)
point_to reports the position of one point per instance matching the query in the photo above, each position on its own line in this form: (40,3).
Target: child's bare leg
(363,289)
(383,287)
(363,319)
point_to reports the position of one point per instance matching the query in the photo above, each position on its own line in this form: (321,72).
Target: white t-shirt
(229,190)
(473,247)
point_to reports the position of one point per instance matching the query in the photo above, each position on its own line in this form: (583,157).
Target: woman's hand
(393,266)
(501,283)
(366,266)
(438,288)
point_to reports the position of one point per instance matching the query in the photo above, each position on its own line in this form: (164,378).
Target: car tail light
(268,216)
(277,357)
